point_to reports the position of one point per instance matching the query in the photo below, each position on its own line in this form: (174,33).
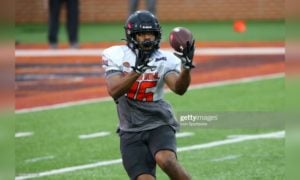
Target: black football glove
(142,60)
(187,55)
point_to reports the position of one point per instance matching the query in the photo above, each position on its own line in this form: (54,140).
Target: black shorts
(138,149)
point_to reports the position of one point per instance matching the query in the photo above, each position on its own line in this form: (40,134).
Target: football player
(135,76)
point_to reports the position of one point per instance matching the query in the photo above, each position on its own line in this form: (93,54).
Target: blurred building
(32,11)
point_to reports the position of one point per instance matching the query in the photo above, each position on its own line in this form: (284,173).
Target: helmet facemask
(148,45)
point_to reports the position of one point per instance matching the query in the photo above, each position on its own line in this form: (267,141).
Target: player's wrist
(187,63)
(136,70)
(187,67)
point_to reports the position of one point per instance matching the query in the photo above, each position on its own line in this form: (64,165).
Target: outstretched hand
(141,63)
(187,55)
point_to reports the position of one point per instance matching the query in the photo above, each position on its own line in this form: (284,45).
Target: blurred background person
(150,5)
(72,24)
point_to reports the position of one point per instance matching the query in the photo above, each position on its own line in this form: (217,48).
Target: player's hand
(141,63)
(187,55)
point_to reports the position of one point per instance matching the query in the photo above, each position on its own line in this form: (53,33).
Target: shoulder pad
(114,54)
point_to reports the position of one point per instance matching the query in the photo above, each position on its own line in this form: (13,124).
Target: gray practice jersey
(142,107)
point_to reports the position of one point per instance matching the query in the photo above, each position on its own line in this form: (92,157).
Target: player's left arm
(178,83)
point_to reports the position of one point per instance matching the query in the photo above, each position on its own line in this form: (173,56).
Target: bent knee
(165,159)
(145,177)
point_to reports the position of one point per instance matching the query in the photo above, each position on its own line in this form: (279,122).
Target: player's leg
(145,177)
(73,22)
(133,5)
(137,158)
(168,163)
(162,143)
(151,6)
(53,22)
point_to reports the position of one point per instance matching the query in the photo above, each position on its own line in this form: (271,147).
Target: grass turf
(203,31)
(56,134)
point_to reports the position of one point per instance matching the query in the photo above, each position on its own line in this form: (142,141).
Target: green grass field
(55,135)
(203,31)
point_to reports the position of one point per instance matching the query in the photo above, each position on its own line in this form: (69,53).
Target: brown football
(179,37)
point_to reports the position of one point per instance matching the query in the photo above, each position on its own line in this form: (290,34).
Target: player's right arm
(118,84)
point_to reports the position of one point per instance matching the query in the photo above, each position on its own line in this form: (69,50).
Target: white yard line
(248,135)
(237,81)
(184,134)
(229,157)
(273,135)
(23,134)
(199,86)
(68,169)
(63,105)
(240,51)
(279,134)
(94,135)
(200,52)
(39,159)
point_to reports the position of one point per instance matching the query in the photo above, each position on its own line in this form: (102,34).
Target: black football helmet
(139,22)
